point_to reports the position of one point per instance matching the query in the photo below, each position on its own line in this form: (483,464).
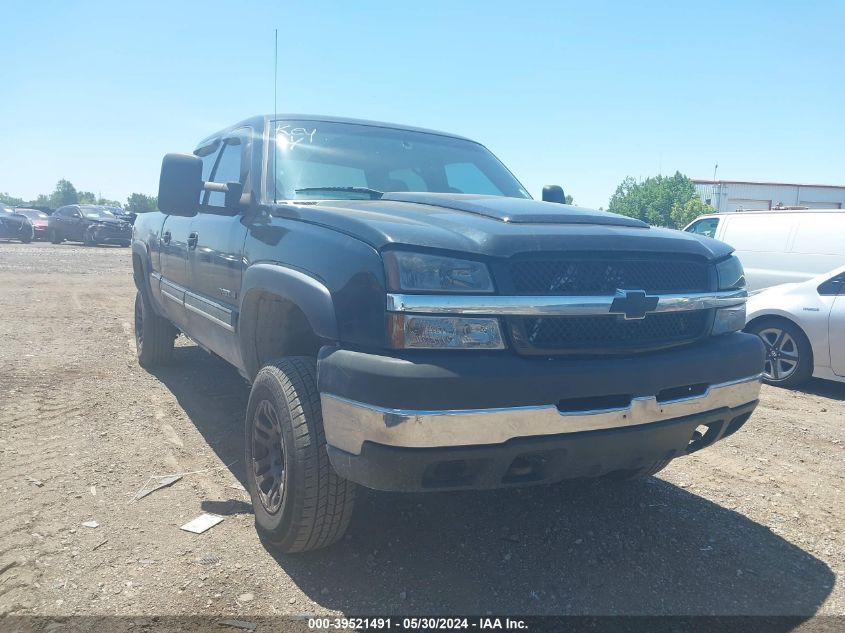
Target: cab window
(228,168)
(706,227)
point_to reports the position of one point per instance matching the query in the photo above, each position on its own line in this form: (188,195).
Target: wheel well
(138,275)
(774,318)
(271,327)
(771,317)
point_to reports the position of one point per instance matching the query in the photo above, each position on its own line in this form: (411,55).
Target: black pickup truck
(410,319)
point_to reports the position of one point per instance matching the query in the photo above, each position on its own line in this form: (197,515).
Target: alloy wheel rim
(781,354)
(268,456)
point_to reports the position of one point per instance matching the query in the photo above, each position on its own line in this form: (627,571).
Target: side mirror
(553,193)
(180,184)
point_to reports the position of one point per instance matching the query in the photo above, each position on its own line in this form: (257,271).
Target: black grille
(612,332)
(605,276)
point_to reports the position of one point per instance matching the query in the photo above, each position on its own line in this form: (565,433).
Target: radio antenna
(275,105)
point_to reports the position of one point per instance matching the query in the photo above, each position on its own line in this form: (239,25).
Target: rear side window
(707,227)
(317,174)
(764,233)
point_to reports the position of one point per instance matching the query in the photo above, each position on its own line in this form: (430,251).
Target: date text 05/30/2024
(411,623)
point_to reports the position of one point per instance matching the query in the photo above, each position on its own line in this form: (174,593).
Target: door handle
(192,240)
(166,237)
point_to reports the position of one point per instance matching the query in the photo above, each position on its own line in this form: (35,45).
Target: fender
(309,294)
(144,283)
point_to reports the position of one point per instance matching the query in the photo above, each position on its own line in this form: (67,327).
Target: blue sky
(579,94)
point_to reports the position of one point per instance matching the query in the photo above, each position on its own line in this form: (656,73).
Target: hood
(108,221)
(516,210)
(493,225)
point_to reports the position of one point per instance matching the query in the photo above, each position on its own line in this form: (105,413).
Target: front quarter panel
(350,270)
(146,233)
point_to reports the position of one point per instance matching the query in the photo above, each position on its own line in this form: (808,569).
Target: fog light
(730,319)
(439,332)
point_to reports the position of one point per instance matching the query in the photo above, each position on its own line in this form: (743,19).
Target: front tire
(154,335)
(789,355)
(300,503)
(55,238)
(88,239)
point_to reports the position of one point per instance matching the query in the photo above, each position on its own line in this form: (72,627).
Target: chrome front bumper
(348,424)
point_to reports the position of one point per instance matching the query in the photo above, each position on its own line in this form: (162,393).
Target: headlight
(730,319)
(419,272)
(731,277)
(437,332)
(730,273)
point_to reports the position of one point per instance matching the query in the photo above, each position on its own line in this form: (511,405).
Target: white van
(779,246)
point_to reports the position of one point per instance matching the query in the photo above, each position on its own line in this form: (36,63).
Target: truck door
(175,244)
(215,256)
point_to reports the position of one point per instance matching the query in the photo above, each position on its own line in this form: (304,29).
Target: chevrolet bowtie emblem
(634,304)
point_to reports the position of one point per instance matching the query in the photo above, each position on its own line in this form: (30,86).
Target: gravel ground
(749,526)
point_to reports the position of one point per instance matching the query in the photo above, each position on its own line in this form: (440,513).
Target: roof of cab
(259,121)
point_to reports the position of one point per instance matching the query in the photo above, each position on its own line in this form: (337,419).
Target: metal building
(733,195)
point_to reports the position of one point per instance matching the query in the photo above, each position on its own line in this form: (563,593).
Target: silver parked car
(803,328)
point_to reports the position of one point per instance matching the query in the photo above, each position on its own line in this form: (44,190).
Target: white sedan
(803,328)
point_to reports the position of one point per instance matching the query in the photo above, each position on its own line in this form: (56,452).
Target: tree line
(65,193)
(668,201)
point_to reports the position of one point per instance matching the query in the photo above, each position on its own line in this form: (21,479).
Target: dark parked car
(89,224)
(39,221)
(410,319)
(14,226)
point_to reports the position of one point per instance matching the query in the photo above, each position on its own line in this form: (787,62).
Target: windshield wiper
(372,192)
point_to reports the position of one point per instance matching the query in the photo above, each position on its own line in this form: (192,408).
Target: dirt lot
(749,526)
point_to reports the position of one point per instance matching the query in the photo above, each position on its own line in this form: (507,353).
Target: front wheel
(789,356)
(300,503)
(154,335)
(55,238)
(88,239)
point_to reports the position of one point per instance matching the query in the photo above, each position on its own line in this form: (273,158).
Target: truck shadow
(594,548)
(825,388)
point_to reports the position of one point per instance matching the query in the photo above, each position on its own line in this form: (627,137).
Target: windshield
(317,160)
(96,214)
(32,214)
